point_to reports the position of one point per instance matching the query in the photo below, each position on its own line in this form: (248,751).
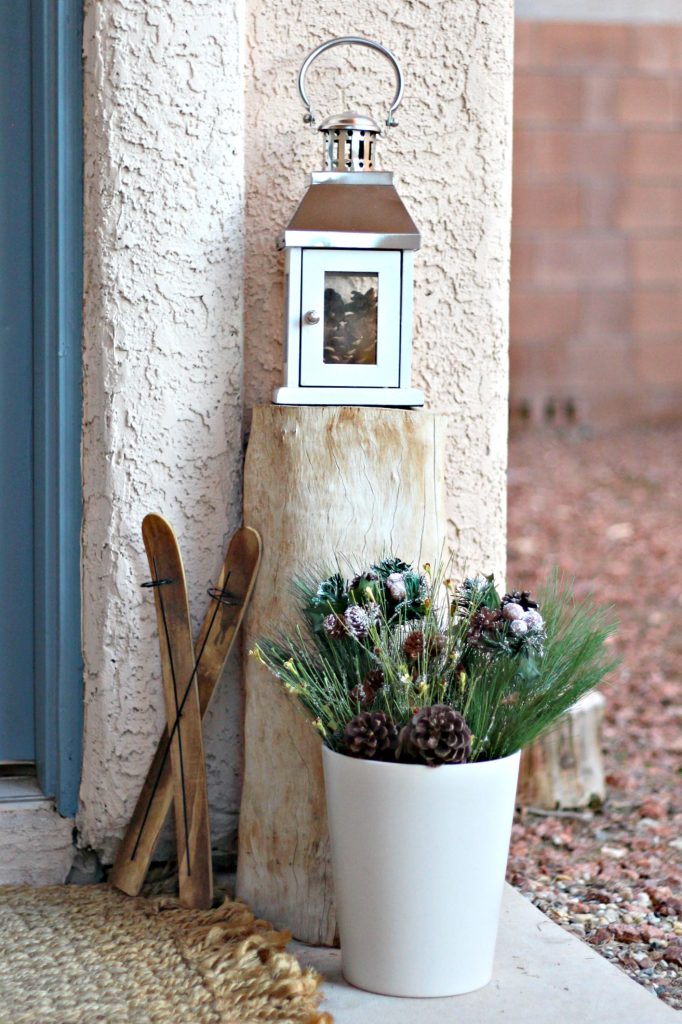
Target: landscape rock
(622,865)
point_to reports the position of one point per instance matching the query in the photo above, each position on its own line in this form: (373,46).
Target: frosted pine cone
(334,626)
(435,735)
(533,619)
(512,611)
(395,585)
(520,621)
(357,621)
(370,735)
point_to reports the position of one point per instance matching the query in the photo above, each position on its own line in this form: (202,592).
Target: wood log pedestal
(565,768)
(318,482)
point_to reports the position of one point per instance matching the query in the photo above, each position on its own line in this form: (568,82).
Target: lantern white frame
(385,372)
(310,381)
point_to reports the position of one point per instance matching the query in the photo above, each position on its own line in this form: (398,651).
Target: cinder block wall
(596,296)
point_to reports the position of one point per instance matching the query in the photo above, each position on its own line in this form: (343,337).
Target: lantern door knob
(310,116)
(311,317)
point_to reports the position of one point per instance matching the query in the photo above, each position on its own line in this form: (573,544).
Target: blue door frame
(57,155)
(17,718)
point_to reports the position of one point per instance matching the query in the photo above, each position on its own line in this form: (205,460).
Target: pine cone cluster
(355,621)
(483,626)
(521,614)
(371,735)
(435,735)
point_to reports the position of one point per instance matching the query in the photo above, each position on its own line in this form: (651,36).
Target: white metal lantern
(349,269)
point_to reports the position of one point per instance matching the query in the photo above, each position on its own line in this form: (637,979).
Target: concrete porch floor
(542,974)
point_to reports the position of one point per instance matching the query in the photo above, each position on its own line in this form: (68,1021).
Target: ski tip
(155,519)
(254,535)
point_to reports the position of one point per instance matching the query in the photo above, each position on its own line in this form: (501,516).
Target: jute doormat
(87,954)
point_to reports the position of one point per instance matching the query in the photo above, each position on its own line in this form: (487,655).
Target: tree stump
(357,482)
(564,768)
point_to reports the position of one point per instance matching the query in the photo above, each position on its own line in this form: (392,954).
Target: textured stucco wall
(166,134)
(162,367)
(452,157)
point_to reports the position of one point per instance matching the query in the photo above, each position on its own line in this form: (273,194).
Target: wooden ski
(188,767)
(214,643)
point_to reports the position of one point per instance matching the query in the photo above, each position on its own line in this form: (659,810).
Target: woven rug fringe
(74,954)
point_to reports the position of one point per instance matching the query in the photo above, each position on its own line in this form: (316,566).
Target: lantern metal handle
(309,117)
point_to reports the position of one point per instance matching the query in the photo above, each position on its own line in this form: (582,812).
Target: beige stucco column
(451,154)
(162,361)
(195,155)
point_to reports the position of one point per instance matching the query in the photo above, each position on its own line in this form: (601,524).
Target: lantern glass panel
(350,318)
(337,360)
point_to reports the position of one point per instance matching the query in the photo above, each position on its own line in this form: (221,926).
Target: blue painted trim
(17,717)
(57,286)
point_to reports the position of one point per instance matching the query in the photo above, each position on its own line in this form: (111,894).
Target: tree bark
(319,482)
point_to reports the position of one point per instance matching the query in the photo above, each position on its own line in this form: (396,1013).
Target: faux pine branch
(370,650)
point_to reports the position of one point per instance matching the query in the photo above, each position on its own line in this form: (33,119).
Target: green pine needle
(510,690)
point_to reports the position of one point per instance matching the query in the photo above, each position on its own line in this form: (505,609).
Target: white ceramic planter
(419,858)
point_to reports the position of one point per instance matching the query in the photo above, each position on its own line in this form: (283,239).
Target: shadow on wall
(596,295)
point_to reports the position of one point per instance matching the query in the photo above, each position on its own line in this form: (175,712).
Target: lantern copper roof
(353,210)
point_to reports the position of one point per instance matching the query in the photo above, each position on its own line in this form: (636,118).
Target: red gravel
(607,510)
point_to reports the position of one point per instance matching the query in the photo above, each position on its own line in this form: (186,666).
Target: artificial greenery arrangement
(399,665)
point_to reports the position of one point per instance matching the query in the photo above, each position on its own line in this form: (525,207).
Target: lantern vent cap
(350,120)
(350,138)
